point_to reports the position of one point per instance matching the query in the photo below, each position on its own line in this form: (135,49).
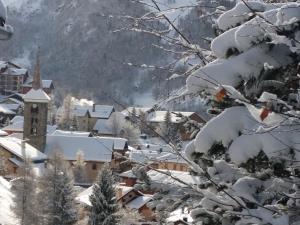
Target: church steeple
(36,112)
(37,83)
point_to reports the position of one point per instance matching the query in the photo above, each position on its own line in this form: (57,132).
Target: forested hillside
(83,54)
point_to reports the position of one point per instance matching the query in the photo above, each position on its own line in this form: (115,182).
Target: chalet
(159,159)
(12,77)
(128,178)
(127,197)
(87,116)
(156,119)
(14,151)
(132,199)
(96,151)
(6,114)
(107,126)
(9,108)
(161,178)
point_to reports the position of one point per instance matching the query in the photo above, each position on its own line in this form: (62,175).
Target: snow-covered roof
(15,72)
(71,133)
(143,156)
(8,68)
(13,107)
(5,110)
(80,112)
(36,96)
(159,116)
(45,83)
(14,145)
(17,119)
(6,202)
(118,143)
(138,202)
(124,190)
(128,174)
(179,215)
(129,110)
(162,178)
(154,147)
(15,127)
(15,101)
(96,111)
(101,111)
(93,148)
(3,133)
(103,126)
(84,197)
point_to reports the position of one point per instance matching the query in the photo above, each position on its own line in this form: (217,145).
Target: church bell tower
(35,112)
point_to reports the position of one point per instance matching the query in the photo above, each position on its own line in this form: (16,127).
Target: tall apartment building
(12,78)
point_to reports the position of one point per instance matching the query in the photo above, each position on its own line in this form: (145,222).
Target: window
(34,108)
(174,166)
(34,120)
(94,166)
(33,131)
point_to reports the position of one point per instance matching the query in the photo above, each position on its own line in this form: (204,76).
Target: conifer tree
(58,203)
(104,204)
(24,190)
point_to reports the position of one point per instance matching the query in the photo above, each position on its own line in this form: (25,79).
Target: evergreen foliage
(24,190)
(104,203)
(56,194)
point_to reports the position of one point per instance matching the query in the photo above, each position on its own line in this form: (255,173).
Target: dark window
(34,109)
(94,166)
(33,131)
(34,120)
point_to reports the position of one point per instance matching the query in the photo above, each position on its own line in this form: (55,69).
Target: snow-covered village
(149,112)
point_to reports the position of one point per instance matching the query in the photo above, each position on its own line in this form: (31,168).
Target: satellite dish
(6,31)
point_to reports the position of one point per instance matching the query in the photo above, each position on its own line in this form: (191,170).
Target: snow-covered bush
(250,152)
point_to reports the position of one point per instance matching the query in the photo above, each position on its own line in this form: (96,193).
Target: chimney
(94,107)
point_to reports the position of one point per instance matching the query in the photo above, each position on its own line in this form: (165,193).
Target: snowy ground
(6,216)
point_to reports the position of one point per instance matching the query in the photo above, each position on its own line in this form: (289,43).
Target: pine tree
(57,194)
(24,190)
(103,199)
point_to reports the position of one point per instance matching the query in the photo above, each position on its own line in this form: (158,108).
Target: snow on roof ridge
(36,96)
